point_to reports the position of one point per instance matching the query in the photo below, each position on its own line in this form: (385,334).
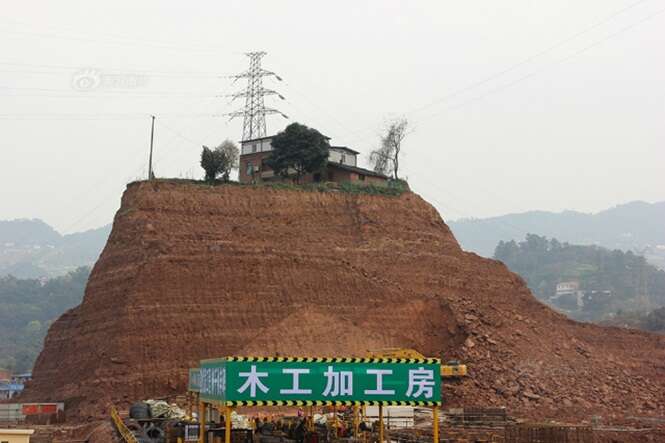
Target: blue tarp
(14,387)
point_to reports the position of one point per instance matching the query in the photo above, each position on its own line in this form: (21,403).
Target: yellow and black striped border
(330,403)
(334,360)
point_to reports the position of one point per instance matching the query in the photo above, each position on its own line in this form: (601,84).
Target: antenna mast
(254,113)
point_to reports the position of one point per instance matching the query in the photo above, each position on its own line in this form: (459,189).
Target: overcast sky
(514,105)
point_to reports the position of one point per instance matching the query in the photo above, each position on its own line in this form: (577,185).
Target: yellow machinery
(451,369)
(126,434)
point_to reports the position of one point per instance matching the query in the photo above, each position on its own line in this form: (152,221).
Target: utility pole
(152,134)
(254,113)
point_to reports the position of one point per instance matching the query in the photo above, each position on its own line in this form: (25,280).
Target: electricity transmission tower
(254,112)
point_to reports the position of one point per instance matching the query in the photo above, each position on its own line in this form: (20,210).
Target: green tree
(219,161)
(27,309)
(631,283)
(298,150)
(655,320)
(211,162)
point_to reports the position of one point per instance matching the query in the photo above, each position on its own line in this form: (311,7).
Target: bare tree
(231,154)
(386,158)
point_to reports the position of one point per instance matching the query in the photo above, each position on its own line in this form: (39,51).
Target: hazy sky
(514,105)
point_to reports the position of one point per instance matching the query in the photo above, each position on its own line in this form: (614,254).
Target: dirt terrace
(192,272)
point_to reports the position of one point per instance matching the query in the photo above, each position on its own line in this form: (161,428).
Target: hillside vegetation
(611,281)
(636,226)
(27,309)
(653,321)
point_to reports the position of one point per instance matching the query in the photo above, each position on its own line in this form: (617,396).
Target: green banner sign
(194,384)
(318,381)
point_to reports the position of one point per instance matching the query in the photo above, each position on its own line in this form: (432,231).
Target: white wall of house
(343,157)
(567,287)
(255,146)
(337,156)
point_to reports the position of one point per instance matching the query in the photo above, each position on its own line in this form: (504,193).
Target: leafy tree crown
(298,150)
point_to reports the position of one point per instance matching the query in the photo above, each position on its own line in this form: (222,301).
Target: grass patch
(393,188)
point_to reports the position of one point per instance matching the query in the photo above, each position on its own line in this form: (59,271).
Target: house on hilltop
(342,166)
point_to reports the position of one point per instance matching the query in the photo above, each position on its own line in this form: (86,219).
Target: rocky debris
(192,272)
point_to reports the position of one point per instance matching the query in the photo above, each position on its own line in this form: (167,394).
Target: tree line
(28,307)
(633,284)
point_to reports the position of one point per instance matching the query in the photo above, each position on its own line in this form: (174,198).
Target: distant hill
(636,226)
(33,249)
(24,232)
(600,282)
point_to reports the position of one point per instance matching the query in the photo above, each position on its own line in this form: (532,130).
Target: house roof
(267,137)
(357,170)
(344,148)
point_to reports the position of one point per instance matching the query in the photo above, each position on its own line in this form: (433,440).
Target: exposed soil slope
(192,272)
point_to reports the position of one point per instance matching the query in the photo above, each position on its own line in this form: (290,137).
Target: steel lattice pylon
(254,113)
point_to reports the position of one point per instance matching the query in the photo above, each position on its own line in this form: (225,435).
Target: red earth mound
(192,272)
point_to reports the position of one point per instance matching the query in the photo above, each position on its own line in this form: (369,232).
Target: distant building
(568,295)
(342,166)
(567,288)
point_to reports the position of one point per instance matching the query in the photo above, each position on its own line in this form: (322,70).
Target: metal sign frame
(194,380)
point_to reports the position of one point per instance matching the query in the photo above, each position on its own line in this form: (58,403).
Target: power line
(528,59)
(557,62)
(164,150)
(83,117)
(448,192)
(523,62)
(52,69)
(507,70)
(198,142)
(121,92)
(113,39)
(560,61)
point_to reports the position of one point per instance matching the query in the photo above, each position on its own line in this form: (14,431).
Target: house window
(343,158)
(253,147)
(250,168)
(361,177)
(331,176)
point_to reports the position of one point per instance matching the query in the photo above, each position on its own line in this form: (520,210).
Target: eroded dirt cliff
(192,272)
